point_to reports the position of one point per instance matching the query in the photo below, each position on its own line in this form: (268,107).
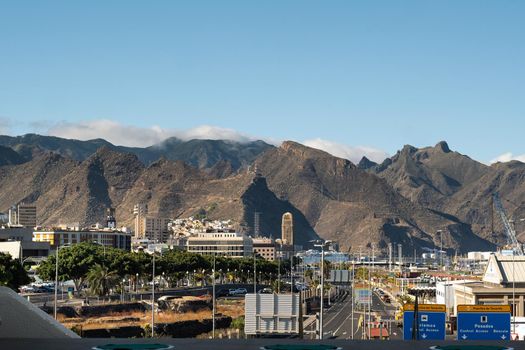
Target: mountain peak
(408,149)
(302,151)
(443,146)
(366,163)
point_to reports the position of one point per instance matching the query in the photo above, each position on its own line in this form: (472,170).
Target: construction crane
(509,230)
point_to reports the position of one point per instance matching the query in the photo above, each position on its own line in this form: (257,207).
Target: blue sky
(337,74)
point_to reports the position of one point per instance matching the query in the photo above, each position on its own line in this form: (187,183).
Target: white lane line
(343,323)
(337,314)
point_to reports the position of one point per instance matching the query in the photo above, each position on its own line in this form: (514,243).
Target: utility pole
(322,245)
(321,330)
(254,273)
(352,297)
(513,296)
(213,297)
(390,257)
(153,299)
(400,255)
(440,248)
(370,293)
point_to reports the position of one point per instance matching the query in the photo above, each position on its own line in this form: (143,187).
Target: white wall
(12,248)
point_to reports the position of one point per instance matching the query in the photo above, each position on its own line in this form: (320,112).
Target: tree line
(92,266)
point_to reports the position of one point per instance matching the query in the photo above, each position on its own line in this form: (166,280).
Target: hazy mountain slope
(9,157)
(74,149)
(200,153)
(206,153)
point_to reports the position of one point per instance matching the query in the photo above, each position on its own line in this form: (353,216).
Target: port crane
(509,230)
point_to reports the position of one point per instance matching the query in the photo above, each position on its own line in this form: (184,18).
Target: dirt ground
(232,308)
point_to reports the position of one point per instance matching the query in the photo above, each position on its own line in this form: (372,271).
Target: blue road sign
(483,325)
(431,325)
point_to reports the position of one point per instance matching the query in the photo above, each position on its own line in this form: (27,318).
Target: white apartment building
(231,244)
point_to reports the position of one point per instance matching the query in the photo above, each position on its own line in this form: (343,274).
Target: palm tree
(101,280)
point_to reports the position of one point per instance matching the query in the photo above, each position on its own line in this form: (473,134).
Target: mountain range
(404,200)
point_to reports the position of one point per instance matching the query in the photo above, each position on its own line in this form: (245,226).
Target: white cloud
(352,153)
(133,136)
(127,135)
(507,157)
(5,124)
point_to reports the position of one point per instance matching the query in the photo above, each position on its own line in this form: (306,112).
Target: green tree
(74,263)
(12,273)
(101,279)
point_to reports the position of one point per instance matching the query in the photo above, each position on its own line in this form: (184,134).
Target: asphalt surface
(338,319)
(250,344)
(19,319)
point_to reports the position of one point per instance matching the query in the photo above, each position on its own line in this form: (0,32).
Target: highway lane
(338,319)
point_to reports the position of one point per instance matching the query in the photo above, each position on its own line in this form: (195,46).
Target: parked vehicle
(266,291)
(237,291)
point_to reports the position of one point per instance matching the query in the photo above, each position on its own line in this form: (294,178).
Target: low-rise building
(231,244)
(106,237)
(25,249)
(445,292)
(16,233)
(264,247)
(503,283)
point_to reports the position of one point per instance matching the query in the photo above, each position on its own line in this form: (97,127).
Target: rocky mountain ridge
(406,199)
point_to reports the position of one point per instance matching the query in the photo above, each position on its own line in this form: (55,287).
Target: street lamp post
(153,299)
(254,273)
(56,278)
(440,248)
(213,298)
(322,245)
(280,243)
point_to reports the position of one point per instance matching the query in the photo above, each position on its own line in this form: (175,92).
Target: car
(27,289)
(266,291)
(237,291)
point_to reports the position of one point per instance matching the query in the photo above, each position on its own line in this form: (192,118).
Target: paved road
(338,319)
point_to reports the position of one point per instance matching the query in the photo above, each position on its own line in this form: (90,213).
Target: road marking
(342,324)
(337,314)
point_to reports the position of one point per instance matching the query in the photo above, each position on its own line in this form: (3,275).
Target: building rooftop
(503,269)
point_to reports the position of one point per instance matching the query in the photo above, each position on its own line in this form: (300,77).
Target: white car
(237,291)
